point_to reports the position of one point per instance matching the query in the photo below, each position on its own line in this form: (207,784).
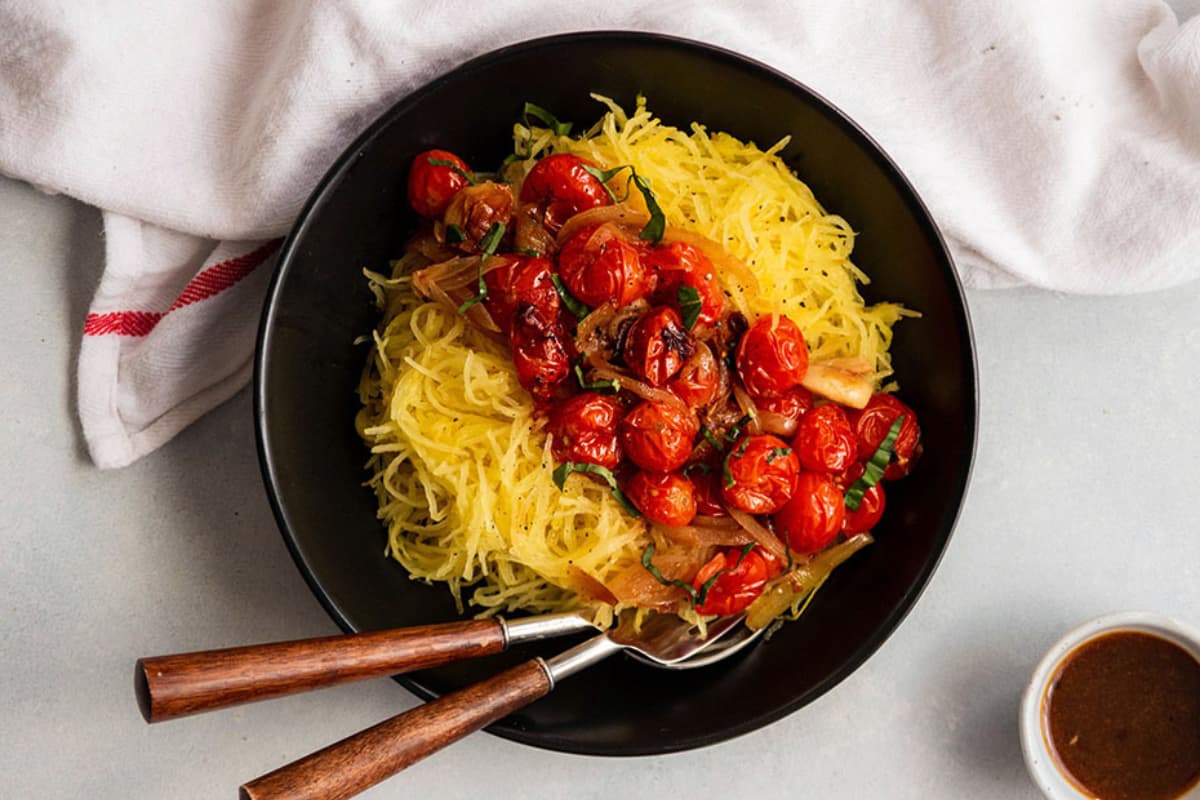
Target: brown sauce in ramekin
(1122,715)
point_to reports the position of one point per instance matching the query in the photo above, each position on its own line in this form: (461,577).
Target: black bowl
(307,368)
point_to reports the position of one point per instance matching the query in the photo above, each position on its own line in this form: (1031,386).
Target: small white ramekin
(1034,737)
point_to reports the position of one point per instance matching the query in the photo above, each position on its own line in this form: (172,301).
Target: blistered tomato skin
(658,436)
(824,441)
(522,281)
(813,517)
(431,186)
(499,303)
(698,380)
(870,509)
(598,264)
(789,407)
(872,424)
(657,346)
(680,264)
(561,187)
(772,357)
(539,352)
(667,498)
(736,588)
(759,474)
(708,493)
(584,428)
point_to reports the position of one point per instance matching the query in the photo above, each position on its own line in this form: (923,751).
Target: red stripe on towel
(208,282)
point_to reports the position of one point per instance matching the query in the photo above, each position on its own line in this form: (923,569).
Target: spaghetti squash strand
(460,465)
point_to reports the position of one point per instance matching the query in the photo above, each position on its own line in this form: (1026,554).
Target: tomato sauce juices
(1122,717)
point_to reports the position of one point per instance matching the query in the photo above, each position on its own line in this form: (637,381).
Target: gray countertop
(1083,501)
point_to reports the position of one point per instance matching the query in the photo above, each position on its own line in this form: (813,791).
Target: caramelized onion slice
(589,588)
(456,273)
(605,371)
(759,533)
(629,219)
(634,584)
(778,424)
(705,536)
(749,409)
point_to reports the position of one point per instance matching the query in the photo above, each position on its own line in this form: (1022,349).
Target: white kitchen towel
(1057,142)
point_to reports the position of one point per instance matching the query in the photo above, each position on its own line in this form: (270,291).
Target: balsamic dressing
(1122,714)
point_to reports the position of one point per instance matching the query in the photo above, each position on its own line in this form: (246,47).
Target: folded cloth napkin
(1057,143)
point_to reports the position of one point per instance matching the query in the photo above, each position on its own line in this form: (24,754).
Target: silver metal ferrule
(580,657)
(541,662)
(543,626)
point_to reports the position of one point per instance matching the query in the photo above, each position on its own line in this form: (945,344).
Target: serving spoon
(178,685)
(189,683)
(360,761)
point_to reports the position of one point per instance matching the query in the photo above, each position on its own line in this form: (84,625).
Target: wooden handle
(174,686)
(360,761)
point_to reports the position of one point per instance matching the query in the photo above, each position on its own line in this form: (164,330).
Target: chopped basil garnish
(610,386)
(653,232)
(648,554)
(491,240)
(741,451)
(549,120)
(777,452)
(654,229)
(733,433)
(567,467)
(697,597)
(603,176)
(689,305)
(711,438)
(441,162)
(454,234)
(579,309)
(697,466)
(874,468)
(487,248)
(738,453)
(525,251)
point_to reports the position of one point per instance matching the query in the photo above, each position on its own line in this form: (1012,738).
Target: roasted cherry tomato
(739,581)
(521,281)
(539,352)
(561,188)
(782,414)
(872,424)
(699,379)
(870,509)
(658,436)
(598,264)
(772,356)
(657,345)
(431,186)
(813,517)
(824,441)
(667,498)
(584,428)
(708,492)
(759,474)
(475,209)
(681,264)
